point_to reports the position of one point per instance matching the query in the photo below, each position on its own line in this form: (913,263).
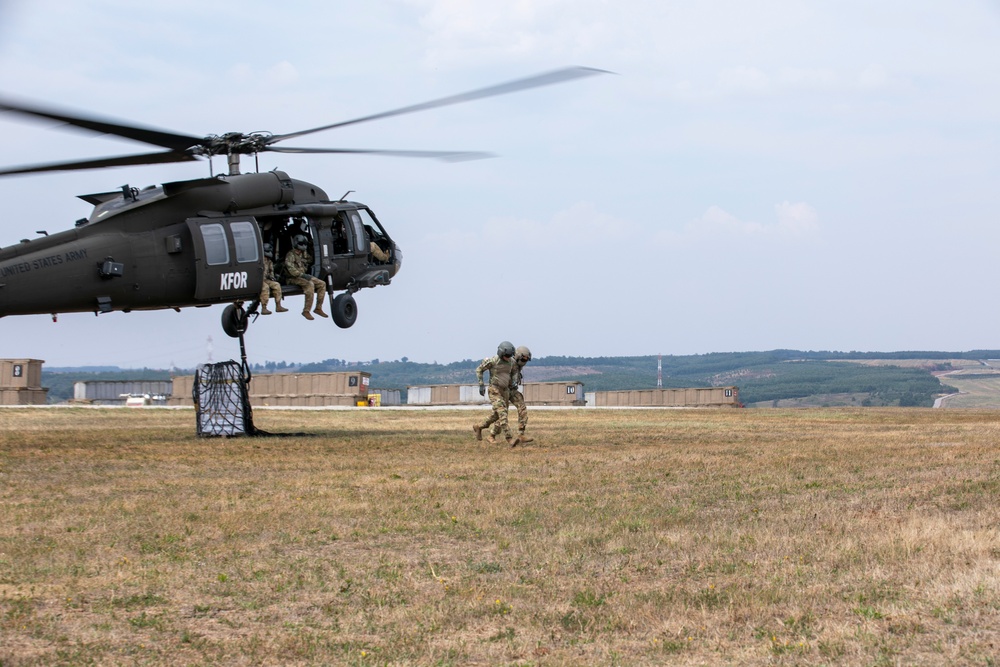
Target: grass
(389,537)
(979,389)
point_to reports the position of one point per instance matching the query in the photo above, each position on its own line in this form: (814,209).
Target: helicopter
(201,242)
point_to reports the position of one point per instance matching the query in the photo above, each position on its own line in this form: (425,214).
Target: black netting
(221,400)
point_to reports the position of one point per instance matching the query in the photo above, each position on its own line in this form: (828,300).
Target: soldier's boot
(308,306)
(263,307)
(515,441)
(320,298)
(278,308)
(478,430)
(492,439)
(524,439)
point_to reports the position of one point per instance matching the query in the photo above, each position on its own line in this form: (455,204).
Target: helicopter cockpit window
(245,241)
(216,247)
(371,232)
(358,229)
(369,222)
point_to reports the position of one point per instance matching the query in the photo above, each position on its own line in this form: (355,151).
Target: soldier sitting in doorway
(298,261)
(271,286)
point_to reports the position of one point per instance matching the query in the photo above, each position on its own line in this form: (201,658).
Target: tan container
(292,389)
(553,393)
(695,397)
(21,374)
(183,385)
(23,396)
(445,394)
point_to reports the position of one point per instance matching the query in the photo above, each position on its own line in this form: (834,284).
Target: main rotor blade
(547,79)
(121,161)
(449,156)
(172,140)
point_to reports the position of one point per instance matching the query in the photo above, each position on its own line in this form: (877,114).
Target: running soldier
(500,368)
(297,264)
(521,357)
(271,286)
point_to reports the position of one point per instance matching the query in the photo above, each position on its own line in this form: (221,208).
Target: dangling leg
(320,297)
(308,294)
(265,292)
(278,308)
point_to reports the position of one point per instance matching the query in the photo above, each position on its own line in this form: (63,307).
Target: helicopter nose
(397,256)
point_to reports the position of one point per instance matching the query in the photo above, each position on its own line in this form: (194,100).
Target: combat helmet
(505,349)
(300,242)
(522,353)
(269,250)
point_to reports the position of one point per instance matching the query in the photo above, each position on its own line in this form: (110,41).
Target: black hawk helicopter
(201,242)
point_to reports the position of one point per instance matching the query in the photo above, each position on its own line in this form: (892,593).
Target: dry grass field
(390,537)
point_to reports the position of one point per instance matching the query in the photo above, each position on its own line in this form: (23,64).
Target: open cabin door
(228,262)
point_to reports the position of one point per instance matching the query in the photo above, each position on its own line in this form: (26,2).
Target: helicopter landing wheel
(345,310)
(234,321)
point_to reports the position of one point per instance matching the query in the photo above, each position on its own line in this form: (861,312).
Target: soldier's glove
(482,390)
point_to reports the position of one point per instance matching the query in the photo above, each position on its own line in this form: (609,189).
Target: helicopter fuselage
(192,243)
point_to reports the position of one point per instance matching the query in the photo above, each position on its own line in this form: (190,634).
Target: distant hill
(773,378)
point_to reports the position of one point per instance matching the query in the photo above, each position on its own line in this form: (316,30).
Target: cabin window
(245,241)
(357,225)
(216,247)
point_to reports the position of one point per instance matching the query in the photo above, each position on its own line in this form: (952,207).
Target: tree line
(762,377)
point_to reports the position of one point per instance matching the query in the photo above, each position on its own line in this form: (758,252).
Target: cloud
(796,219)
(581,226)
(793,221)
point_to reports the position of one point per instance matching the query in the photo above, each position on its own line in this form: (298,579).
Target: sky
(750,176)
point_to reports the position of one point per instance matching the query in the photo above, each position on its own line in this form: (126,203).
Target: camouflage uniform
(378,253)
(297,265)
(516,397)
(271,288)
(499,393)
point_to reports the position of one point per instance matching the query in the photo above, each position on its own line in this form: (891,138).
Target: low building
(21,382)
(292,389)
(379,397)
(119,392)
(535,393)
(445,394)
(697,397)
(553,393)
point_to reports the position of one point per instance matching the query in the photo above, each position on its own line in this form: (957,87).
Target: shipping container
(21,373)
(553,393)
(115,392)
(445,394)
(21,382)
(695,397)
(293,389)
(23,396)
(535,393)
(385,396)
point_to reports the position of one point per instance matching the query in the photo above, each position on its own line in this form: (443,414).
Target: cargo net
(221,400)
